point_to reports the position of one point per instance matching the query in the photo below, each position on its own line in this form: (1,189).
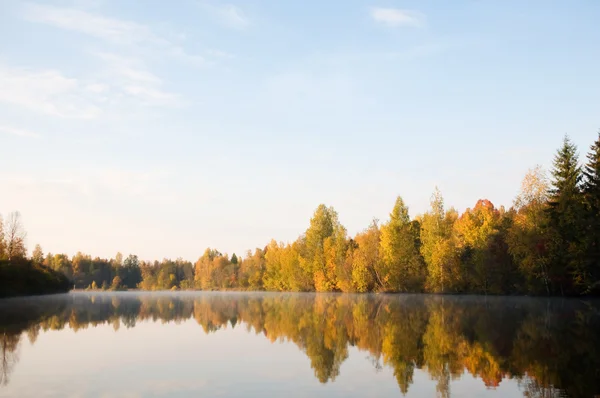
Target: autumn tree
(365,259)
(2,243)
(252,269)
(38,255)
(118,260)
(203,268)
(15,236)
(527,236)
(324,233)
(480,238)
(117,283)
(438,247)
(401,267)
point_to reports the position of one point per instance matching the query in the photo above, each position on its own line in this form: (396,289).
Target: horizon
(161,130)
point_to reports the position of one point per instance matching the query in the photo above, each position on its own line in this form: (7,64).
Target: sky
(163,128)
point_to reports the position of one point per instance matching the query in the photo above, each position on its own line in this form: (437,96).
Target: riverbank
(24,278)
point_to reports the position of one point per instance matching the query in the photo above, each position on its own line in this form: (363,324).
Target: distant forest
(547,243)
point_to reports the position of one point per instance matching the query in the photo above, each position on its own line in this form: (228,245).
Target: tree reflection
(550,346)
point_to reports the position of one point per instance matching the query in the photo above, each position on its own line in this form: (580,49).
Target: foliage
(548,242)
(20,277)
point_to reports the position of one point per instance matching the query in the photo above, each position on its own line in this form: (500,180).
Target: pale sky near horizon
(162,128)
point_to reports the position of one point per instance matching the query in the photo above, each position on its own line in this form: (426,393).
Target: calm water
(297,345)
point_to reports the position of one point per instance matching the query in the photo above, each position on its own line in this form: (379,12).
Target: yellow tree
(476,231)
(204,269)
(401,267)
(325,233)
(438,247)
(527,240)
(365,258)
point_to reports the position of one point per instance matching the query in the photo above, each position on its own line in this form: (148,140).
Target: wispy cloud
(229,15)
(123,84)
(395,17)
(130,77)
(18,132)
(113,30)
(110,29)
(45,91)
(129,68)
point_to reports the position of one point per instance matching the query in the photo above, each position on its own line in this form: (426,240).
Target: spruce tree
(591,191)
(565,221)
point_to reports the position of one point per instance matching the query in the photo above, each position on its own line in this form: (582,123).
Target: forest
(493,339)
(546,243)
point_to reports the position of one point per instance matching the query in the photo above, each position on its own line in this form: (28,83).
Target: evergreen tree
(567,271)
(591,190)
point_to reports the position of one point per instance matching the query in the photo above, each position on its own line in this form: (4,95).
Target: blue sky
(162,128)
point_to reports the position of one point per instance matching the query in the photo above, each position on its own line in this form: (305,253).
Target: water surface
(295,345)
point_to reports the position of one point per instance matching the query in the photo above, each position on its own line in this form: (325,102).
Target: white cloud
(180,53)
(132,69)
(45,91)
(110,29)
(18,132)
(234,16)
(130,76)
(395,17)
(113,30)
(229,14)
(123,84)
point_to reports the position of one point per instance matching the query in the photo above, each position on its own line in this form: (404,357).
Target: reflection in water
(550,346)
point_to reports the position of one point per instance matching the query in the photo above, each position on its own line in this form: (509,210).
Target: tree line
(549,346)
(547,242)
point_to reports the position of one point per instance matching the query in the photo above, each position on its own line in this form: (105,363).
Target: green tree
(234,259)
(591,191)
(130,272)
(565,218)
